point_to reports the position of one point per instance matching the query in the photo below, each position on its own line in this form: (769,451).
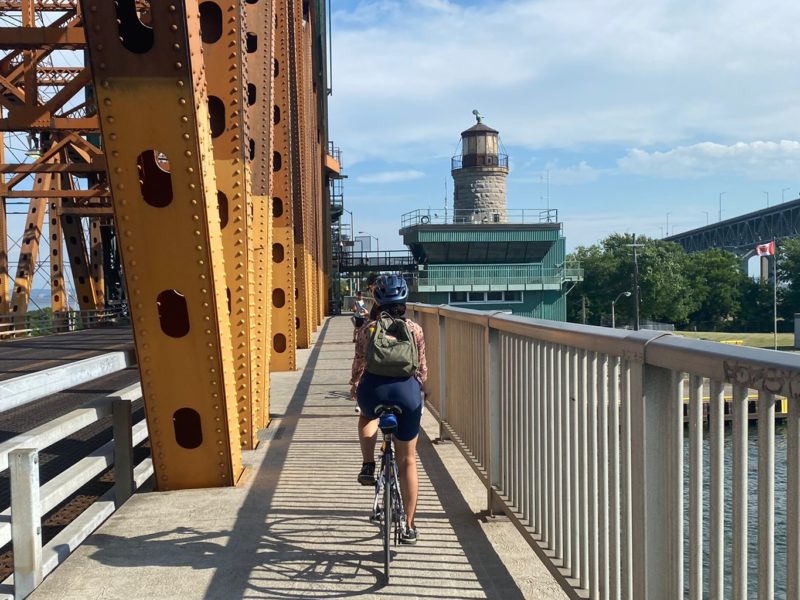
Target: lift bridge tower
(481,255)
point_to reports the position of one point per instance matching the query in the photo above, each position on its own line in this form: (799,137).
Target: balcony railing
(445,216)
(489,160)
(578,434)
(488,275)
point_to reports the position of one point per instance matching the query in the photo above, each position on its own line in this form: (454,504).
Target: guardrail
(445,216)
(506,275)
(578,434)
(30,501)
(41,323)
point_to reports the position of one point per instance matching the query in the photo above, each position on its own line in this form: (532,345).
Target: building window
(484,297)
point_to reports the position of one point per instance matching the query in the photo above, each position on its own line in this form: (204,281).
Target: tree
(719,284)
(789,276)
(666,292)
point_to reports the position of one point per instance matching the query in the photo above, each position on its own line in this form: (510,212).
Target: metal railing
(485,275)
(22,523)
(44,322)
(578,434)
(486,160)
(445,216)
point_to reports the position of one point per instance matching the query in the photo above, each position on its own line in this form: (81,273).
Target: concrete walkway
(297,527)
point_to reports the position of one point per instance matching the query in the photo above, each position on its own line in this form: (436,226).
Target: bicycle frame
(387,491)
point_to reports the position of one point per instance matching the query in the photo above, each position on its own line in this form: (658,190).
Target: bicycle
(387,508)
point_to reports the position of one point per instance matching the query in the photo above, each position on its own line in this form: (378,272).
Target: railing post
(443,435)
(492,359)
(123,451)
(26,521)
(657,484)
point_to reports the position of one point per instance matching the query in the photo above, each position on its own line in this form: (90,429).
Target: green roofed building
(480,254)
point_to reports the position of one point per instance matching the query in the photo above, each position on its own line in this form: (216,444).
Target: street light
(667,230)
(721,194)
(377,241)
(767,195)
(613,304)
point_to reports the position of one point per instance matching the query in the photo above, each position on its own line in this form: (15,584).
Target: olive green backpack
(391,351)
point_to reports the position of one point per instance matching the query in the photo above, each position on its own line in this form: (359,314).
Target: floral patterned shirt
(359,360)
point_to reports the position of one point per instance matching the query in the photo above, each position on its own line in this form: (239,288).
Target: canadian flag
(766,249)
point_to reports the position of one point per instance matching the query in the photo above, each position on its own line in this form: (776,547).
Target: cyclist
(391,293)
(360,313)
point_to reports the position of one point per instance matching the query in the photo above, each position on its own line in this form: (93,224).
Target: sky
(642,115)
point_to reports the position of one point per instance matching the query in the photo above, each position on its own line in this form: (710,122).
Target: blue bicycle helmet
(390,289)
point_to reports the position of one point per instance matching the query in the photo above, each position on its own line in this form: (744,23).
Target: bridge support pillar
(157,133)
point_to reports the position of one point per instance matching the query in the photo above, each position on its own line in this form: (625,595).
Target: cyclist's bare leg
(409,479)
(367,435)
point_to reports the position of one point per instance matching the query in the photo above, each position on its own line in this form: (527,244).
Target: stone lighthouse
(479,175)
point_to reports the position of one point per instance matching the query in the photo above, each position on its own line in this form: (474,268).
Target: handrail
(29,501)
(578,433)
(32,324)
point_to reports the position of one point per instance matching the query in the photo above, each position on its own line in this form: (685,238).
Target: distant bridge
(741,234)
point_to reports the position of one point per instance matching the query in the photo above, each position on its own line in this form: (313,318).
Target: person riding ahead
(404,391)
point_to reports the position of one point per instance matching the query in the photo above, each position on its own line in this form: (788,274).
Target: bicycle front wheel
(388,519)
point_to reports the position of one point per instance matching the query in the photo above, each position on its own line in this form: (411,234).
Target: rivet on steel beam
(115,153)
(174,27)
(190,169)
(120,186)
(107,101)
(184,119)
(188,153)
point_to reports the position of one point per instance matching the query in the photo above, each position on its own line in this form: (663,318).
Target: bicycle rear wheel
(388,519)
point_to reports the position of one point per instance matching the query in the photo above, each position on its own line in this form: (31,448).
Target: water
(752,510)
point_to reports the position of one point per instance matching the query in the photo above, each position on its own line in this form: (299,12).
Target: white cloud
(390,176)
(562,73)
(754,160)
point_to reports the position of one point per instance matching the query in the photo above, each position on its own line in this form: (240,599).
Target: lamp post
(721,194)
(767,195)
(783,194)
(377,241)
(667,229)
(613,305)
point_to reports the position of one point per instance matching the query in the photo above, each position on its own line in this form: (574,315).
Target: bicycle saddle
(388,417)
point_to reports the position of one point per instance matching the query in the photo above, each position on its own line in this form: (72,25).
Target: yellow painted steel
(300,169)
(151,90)
(58,290)
(96,261)
(29,247)
(4,278)
(260,27)
(284,292)
(224,34)
(85,290)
